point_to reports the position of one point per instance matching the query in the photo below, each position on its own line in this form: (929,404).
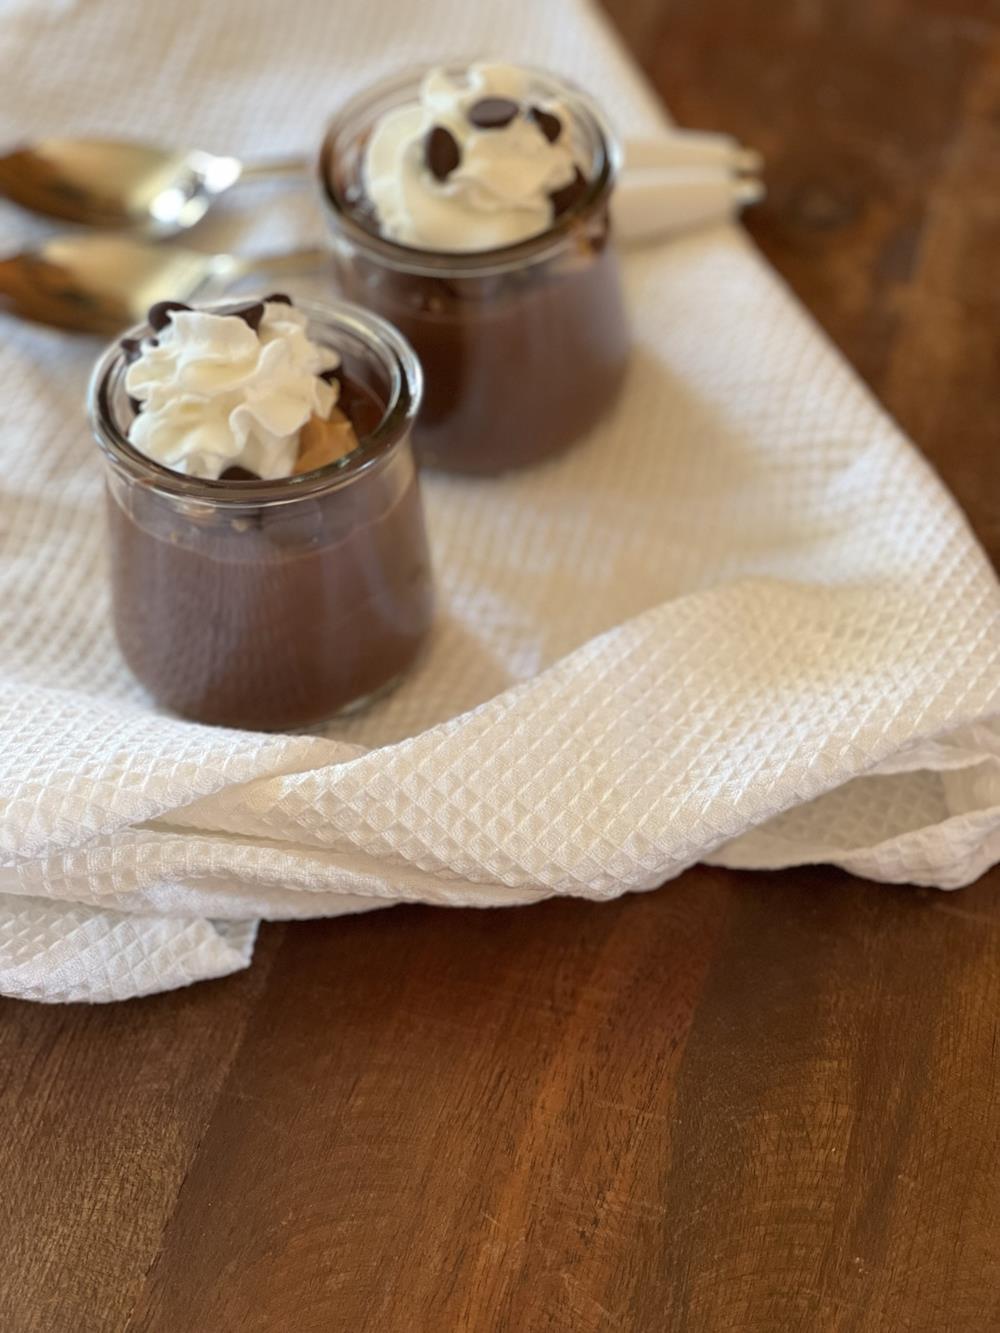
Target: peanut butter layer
(323,442)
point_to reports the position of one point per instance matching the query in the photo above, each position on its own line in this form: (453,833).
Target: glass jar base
(296,727)
(366,701)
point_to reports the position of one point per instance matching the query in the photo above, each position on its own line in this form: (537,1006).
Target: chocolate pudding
(270,603)
(470,208)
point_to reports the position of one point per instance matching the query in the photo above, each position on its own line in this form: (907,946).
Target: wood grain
(744,1102)
(102,1111)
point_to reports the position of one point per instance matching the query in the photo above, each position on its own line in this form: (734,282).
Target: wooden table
(745,1102)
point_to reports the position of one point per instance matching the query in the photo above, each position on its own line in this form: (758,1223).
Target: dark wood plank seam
(264,968)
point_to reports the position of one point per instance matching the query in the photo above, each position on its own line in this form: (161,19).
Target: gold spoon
(159,192)
(104,183)
(103,284)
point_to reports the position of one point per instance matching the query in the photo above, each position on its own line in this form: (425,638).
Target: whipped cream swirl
(473,165)
(216,392)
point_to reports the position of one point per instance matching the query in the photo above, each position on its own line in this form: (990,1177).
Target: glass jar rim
(378,335)
(471,263)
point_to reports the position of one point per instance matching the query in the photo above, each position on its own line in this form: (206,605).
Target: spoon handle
(678,148)
(690,148)
(650,205)
(288,261)
(275,168)
(223,272)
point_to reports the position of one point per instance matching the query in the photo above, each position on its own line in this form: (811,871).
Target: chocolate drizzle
(159,314)
(251,314)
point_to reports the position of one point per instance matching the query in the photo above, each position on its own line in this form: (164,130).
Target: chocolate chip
(549,124)
(569,195)
(251,314)
(277,298)
(492,113)
(441,152)
(159,314)
(236,473)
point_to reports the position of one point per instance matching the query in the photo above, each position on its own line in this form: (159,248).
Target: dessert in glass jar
(468,205)
(269,563)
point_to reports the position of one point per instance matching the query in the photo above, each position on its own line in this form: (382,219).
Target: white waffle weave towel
(742,623)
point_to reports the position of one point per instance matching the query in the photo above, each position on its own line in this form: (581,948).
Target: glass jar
(272,605)
(523,348)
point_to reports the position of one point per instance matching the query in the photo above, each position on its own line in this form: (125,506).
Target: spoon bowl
(103,284)
(155,191)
